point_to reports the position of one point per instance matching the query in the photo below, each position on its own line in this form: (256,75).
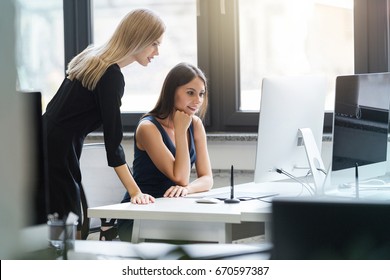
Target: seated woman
(170,139)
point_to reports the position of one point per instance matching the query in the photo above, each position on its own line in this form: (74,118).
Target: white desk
(184,219)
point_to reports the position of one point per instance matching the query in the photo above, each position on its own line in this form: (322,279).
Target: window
(249,39)
(284,37)
(40,47)
(236,43)
(143,85)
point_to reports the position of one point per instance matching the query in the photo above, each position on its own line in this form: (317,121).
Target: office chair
(100,186)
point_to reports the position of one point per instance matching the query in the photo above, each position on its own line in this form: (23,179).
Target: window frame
(78,21)
(218,55)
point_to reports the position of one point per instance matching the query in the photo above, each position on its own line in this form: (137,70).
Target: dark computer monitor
(315,229)
(360,127)
(32,105)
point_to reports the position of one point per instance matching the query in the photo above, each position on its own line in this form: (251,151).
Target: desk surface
(185,219)
(187,209)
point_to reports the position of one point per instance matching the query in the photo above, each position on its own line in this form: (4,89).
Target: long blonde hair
(137,30)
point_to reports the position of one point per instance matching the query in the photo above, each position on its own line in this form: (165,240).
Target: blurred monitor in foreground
(314,229)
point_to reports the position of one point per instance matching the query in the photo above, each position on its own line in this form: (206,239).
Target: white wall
(223,154)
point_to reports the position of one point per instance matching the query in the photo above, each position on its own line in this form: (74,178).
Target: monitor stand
(314,158)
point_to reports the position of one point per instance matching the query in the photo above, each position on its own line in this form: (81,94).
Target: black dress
(74,112)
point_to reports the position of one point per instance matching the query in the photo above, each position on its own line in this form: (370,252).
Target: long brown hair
(179,75)
(137,30)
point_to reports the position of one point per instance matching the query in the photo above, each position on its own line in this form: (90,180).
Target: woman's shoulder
(147,120)
(112,78)
(147,123)
(113,71)
(146,129)
(199,130)
(197,122)
(114,67)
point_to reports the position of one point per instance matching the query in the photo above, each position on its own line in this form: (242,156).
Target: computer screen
(360,127)
(288,103)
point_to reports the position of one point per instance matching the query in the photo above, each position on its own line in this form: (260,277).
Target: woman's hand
(181,121)
(176,191)
(142,198)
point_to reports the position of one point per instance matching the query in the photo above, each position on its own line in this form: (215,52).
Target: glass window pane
(284,37)
(40,47)
(143,85)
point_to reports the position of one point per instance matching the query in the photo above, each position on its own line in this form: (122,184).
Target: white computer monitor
(289,103)
(360,127)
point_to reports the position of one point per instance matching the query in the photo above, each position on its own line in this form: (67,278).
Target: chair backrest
(100,183)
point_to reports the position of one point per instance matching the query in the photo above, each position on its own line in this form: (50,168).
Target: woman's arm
(149,139)
(131,186)
(204,181)
(182,165)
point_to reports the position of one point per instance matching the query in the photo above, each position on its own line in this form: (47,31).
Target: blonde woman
(90,96)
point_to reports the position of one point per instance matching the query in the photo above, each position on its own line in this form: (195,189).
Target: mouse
(208,200)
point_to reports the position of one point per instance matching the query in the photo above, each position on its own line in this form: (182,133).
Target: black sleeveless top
(151,180)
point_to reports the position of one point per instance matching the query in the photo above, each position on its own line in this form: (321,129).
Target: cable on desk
(263,199)
(306,186)
(309,171)
(260,198)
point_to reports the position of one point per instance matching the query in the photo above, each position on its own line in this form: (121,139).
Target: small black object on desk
(232,199)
